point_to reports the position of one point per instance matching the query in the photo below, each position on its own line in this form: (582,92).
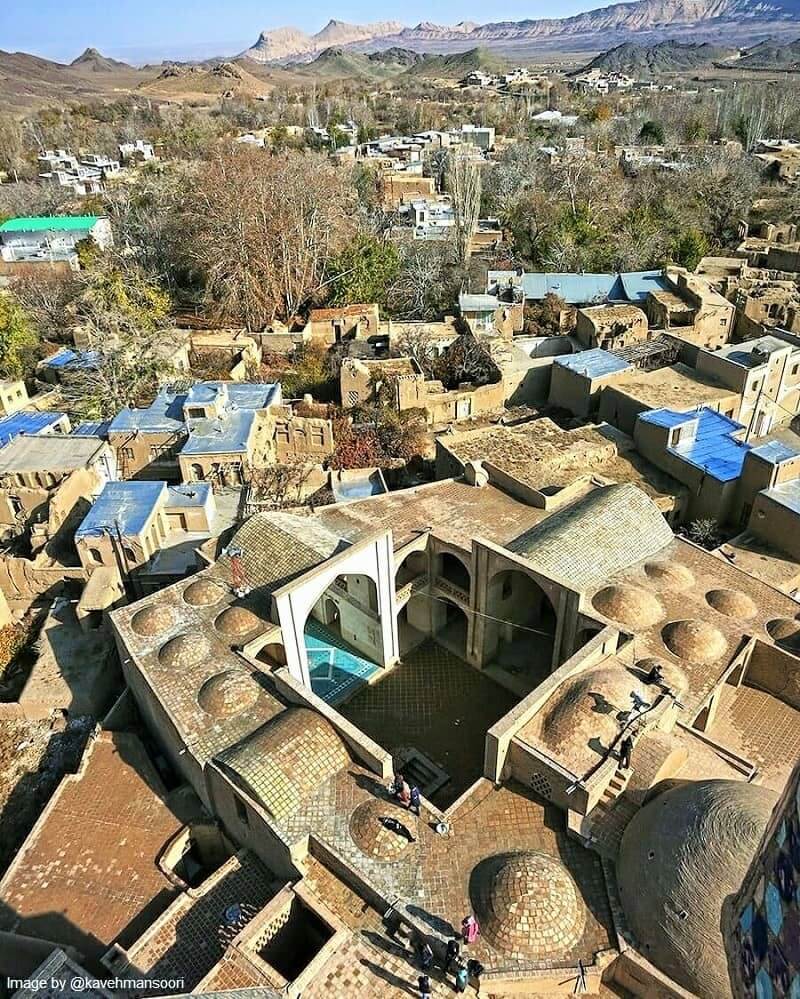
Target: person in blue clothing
(461,978)
(414,801)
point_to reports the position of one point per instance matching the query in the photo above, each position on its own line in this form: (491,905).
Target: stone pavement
(438,704)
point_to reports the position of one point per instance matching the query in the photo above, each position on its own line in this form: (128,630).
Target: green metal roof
(52,223)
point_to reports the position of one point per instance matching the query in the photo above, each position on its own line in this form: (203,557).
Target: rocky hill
(664,57)
(772,55)
(457,65)
(721,22)
(92,61)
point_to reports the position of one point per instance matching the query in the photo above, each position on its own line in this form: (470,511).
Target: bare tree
(464,186)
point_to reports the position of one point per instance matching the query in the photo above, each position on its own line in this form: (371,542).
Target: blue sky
(154,29)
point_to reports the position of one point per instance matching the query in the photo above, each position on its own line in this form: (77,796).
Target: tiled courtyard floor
(761,728)
(438,704)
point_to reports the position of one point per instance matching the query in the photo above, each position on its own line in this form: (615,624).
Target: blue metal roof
(593,363)
(25,422)
(638,284)
(123,505)
(96,428)
(228,435)
(708,442)
(776,451)
(241,395)
(579,289)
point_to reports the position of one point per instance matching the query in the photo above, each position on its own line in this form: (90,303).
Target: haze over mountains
(720,21)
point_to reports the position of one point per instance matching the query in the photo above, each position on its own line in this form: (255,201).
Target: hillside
(285,43)
(92,61)
(190,82)
(458,65)
(665,57)
(339,63)
(772,55)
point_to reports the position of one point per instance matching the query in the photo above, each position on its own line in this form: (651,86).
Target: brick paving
(761,728)
(438,704)
(89,871)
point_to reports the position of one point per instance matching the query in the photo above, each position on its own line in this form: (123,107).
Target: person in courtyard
(397,785)
(404,794)
(451,954)
(625,750)
(424,984)
(655,676)
(475,970)
(414,801)
(425,952)
(470,929)
(396,826)
(461,978)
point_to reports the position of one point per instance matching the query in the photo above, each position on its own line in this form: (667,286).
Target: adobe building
(611,327)
(274,683)
(345,322)
(691,308)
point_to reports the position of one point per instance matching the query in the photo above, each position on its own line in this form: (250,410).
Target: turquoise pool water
(337,671)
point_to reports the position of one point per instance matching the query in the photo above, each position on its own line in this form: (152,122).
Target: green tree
(652,132)
(363,272)
(17,339)
(688,248)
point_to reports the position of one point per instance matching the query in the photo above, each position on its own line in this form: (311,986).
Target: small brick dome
(669,575)
(785,632)
(528,904)
(694,641)
(236,622)
(228,693)
(204,592)
(628,605)
(184,650)
(152,620)
(372,836)
(731,603)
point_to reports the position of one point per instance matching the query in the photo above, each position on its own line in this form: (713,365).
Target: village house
(611,327)
(51,239)
(402,187)
(13,396)
(147,532)
(781,157)
(345,322)
(138,151)
(690,308)
(27,422)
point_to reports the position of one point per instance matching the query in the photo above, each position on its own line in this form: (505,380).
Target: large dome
(152,620)
(785,632)
(731,603)
(669,575)
(184,650)
(372,835)
(680,856)
(628,605)
(236,622)
(204,592)
(528,905)
(227,693)
(694,641)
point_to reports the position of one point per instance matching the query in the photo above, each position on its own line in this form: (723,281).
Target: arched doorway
(520,627)
(452,628)
(273,655)
(342,637)
(415,564)
(452,570)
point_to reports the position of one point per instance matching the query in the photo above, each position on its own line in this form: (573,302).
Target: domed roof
(228,693)
(731,603)
(785,632)
(152,620)
(184,650)
(669,575)
(203,592)
(237,621)
(680,856)
(695,641)
(628,605)
(674,677)
(585,709)
(528,905)
(371,834)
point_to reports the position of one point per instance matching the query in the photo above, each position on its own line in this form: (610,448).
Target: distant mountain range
(678,57)
(723,22)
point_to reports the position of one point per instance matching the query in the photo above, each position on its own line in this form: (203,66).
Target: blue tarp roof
(579,289)
(227,435)
(189,494)
(26,422)
(708,442)
(126,505)
(165,413)
(67,358)
(242,395)
(593,363)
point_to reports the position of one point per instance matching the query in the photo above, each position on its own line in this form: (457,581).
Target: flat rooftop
(123,506)
(677,386)
(48,453)
(87,875)
(26,422)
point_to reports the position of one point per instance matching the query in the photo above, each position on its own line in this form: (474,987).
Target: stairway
(610,816)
